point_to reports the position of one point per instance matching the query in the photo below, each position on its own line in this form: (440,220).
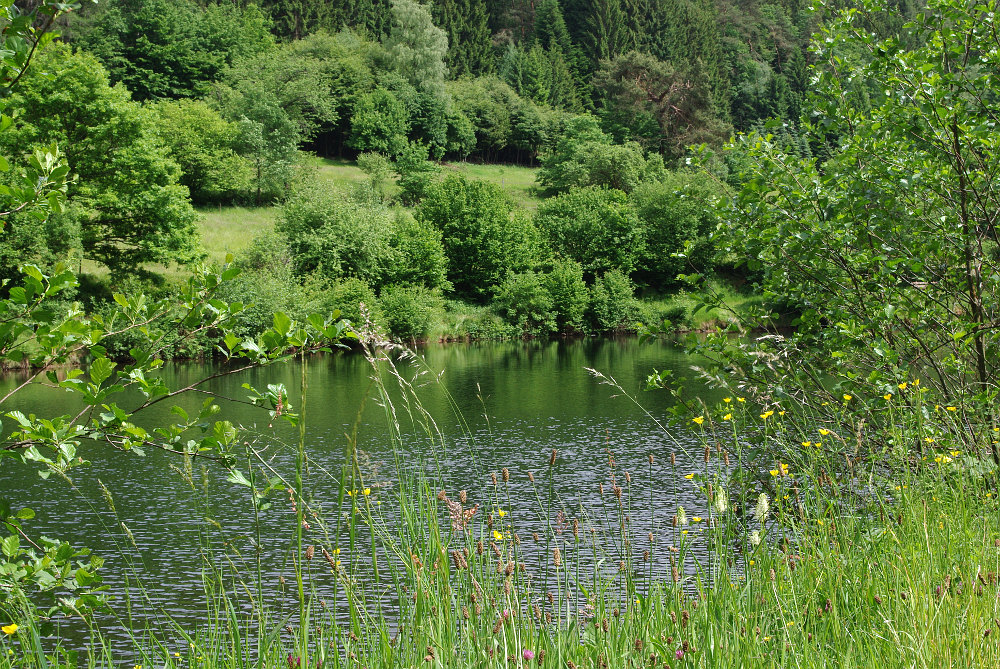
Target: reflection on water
(497,405)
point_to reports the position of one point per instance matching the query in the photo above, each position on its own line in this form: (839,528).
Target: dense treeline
(165,105)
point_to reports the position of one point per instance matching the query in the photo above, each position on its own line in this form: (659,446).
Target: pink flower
(528,654)
(680,654)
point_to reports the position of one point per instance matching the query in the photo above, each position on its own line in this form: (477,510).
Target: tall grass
(798,553)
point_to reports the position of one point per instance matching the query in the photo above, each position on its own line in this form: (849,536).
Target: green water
(495,405)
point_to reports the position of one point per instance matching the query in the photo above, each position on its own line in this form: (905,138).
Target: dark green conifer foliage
(608,33)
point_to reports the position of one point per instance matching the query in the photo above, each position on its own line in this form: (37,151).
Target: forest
(169,110)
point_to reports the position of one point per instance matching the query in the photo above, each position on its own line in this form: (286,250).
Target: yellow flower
(818,444)
(741,399)
(501,513)
(807,444)
(684,531)
(790,624)
(9,629)
(696,519)
(337,563)
(766,415)
(728,416)
(847,398)
(819,522)
(727,400)
(916,382)
(336,551)
(177,654)
(752,563)
(902,386)
(824,432)
(350,493)
(781,413)
(952,408)
(497,536)
(989,494)
(887,397)
(774,472)
(955,454)
(698,419)
(929,440)
(367,491)
(689,476)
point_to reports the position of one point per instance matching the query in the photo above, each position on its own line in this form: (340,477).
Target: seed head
(552,458)
(506,474)
(462,496)
(763,506)
(557,556)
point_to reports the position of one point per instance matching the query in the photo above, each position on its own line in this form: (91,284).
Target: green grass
(517,181)
(231,229)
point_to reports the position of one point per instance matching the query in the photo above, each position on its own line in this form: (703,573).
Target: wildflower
(679,654)
(819,522)
(916,382)
(807,444)
(367,491)
(955,454)
(336,551)
(902,386)
(727,400)
(766,415)
(698,419)
(682,518)
(501,513)
(728,416)
(824,431)
(848,398)
(721,501)
(790,624)
(684,531)
(696,519)
(949,408)
(741,399)
(689,476)
(351,493)
(781,413)
(9,629)
(752,563)
(887,397)
(929,440)
(763,506)
(528,655)
(497,536)
(943,459)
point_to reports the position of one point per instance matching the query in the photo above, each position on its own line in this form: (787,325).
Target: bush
(416,172)
(419,253)
(584,156)
(679,215)
(347,295)
(204,145)
(612,306)
(336,237)
(525,301)
(569,294)
(596,227)
(409,311)
(483,239)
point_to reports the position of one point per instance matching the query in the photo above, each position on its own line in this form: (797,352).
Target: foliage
(596,227)
(416,48)
(347,296)
(524,300)
(680,215)
(483,237)
(638,88)
(564,282)
(584,156)
(126,197)
(612,305)
(408,311)
(884,254)
(418,253)
(380,123)
(170,48)
(378,168)
(205,145)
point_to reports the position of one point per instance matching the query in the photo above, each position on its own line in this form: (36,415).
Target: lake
(494,405)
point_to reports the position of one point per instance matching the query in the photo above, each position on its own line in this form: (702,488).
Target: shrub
(347,295)
(419,253)
(416,172)
(483,239)
(409,311)
(525,301)
(569,294)
(612,307)
(679,215)
(596,227)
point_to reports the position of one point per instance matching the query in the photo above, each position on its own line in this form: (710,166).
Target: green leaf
(100,370)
